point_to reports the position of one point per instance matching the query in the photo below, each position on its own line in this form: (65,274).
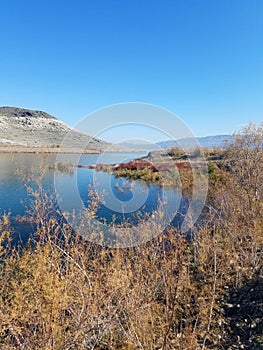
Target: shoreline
(44,149)
(61,150)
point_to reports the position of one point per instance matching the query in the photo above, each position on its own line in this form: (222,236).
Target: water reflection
(123,200)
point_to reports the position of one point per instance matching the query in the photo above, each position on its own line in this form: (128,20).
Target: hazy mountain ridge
(30,128)
(217,141)
(139,145)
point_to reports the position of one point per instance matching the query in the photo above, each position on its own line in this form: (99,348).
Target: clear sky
(200,59)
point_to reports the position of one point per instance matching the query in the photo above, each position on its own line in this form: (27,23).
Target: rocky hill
(29,128)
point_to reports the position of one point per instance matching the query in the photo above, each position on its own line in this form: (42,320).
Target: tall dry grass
(62,292)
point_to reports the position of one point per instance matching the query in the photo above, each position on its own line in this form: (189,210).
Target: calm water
(122,200)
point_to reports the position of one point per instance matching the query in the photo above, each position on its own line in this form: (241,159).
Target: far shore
(62,150)
(42,149)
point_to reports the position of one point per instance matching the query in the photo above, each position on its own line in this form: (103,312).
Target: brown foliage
(62,292)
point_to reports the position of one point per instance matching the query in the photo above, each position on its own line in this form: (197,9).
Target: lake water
(122,200)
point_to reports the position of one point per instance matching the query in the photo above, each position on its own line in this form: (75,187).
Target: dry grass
(62,292)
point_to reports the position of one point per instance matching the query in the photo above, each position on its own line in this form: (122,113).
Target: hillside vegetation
(62,292)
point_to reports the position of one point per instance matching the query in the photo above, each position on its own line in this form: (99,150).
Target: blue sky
(200,59)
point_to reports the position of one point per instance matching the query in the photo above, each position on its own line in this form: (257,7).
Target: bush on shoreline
(62,292)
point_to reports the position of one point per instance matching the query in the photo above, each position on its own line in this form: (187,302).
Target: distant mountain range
(29,128)
(217,141)
(139,145)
